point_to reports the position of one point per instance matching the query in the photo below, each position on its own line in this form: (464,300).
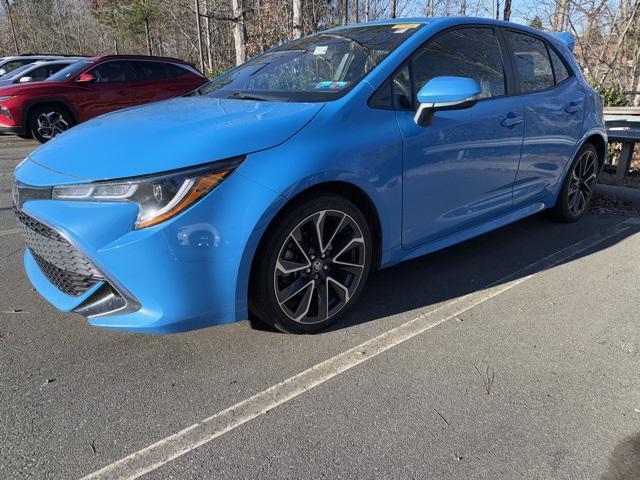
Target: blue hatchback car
(277,187)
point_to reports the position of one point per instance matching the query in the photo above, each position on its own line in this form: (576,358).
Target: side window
(466,52)
(116,71)
(174,71)
(150,70)
(10,66)
(45,71)
(531,62)
(559,69)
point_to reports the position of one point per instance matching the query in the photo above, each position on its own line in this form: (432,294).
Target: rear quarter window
(559,69)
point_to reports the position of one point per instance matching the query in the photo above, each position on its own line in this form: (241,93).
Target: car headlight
(159,197)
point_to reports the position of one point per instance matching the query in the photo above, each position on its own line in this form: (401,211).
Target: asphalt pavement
(514,355)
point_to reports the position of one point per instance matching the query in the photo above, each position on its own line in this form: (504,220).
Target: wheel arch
(600,143)
(348,190)
(32,105)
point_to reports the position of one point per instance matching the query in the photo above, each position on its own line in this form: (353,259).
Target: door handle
(511,121)
(573,107)
(123,92)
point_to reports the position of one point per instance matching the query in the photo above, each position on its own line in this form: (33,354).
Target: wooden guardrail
(623,126)
(622,111)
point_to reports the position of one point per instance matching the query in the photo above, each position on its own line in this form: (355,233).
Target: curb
(624,194)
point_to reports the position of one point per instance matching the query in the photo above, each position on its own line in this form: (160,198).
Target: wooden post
(624,162)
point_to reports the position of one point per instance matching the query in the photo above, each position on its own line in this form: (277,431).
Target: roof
(139,57)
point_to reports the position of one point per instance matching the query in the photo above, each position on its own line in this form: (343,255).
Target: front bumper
(186,273)
(11,130)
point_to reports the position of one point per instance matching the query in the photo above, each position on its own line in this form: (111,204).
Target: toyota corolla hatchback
(277,187)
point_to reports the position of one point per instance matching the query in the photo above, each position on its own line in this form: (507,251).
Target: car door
(151,79)
(111,90)
(458,171)
(554,111)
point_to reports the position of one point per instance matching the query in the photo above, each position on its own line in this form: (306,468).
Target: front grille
(60,261)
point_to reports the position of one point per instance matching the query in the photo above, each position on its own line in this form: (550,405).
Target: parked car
(8,64)
(36,71)
(91,87)
(278,186)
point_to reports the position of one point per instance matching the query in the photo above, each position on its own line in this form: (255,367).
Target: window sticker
(320,50)
(331,85)
(400,30)
(405,26)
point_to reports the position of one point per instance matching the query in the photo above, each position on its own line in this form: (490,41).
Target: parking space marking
(164,451)
(10,231)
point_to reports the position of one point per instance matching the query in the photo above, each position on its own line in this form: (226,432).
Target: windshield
(68,72)
(318,68)
(17,71)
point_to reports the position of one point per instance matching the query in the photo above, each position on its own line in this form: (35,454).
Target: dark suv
(89,88)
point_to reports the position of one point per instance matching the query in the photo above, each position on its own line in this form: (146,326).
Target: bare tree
(239,32)
(297,18)
(199,35)
(7,9)
(507,10)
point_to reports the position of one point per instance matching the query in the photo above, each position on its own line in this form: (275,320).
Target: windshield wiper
(256,96)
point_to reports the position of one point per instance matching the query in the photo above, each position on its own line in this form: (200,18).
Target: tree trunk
(559,15)
(356,12)
(199,34)
(345,12)
(297,18)
(394,8)
(366,10)
(148,35)
(430,8)
(507,10)
(7,7)
(207,27)
(239,33)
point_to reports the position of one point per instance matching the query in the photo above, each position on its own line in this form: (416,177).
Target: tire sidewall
(262,296)
(562,209)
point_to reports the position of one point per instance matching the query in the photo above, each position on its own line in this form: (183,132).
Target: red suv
(89,88)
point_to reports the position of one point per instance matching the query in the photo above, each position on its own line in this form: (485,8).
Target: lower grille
(60,261)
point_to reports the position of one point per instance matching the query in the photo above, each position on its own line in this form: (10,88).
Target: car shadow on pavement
(624,462)
(473,265)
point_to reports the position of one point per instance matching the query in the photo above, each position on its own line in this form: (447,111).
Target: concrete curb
(624,194)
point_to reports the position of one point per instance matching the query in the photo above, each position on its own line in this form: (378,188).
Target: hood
(21,88)
(172,134)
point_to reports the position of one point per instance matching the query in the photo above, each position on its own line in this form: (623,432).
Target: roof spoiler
(565,37)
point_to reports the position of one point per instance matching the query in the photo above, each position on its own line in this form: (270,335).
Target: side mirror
(445,93)
(25,79)
(86,78)
(3,71)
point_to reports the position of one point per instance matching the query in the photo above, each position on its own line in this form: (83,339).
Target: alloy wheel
(319,266)
(583,179)
(51,124)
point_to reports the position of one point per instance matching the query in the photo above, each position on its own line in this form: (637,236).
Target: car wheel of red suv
(49,121)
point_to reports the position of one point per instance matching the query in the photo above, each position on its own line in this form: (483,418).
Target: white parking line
(10,231)
(184,441)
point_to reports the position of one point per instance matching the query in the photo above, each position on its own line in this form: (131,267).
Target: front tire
(577,189)
(47,122)
(312,265)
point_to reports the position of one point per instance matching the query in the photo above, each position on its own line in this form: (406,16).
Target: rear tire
(49,121)
(577,190)
(312,265)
